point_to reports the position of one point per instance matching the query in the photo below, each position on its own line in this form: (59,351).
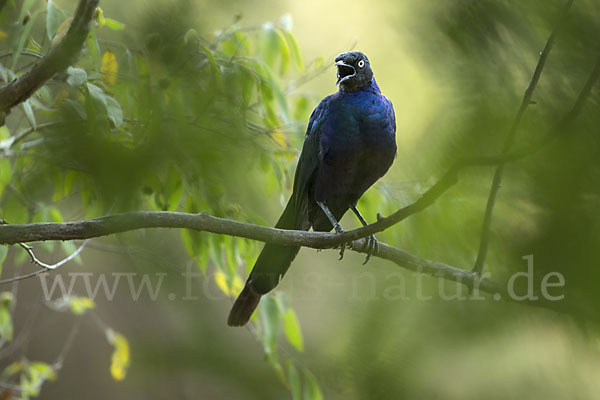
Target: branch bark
(58,59)
(13,234)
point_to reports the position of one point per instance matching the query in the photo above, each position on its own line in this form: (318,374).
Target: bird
(350,143)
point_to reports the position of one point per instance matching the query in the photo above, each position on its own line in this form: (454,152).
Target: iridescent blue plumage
(350,143)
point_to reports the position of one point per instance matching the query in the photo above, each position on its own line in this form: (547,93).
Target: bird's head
(353,71)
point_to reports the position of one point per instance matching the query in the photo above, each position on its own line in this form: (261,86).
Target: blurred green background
(197,139)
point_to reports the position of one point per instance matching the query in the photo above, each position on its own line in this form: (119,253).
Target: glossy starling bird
(350,143)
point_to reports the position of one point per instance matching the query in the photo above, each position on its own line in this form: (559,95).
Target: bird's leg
(336,225)
(372,243)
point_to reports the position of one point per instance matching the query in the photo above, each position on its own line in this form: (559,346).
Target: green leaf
(42,370)
(33,45)
(284,52)
(272,91)
(6,299)
(294,380)
(13,206)
(3,253)
(76,107)
(175,198)
(52,19)
(55,215)
(269,316)
(94,48)
(115,113)
(312,391)
(112,106)
(229,250)
(13,369)
(22,39)
(76,76)
(270,44)
(188,242)
(213,66)
(113,24)
(29,113)
(292,329)
(5,174)
(68,183)
(295,49)
(6,326)
(97,94)
(191,34)
(98,17)
(35,374)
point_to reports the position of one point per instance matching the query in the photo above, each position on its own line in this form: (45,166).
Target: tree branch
(509,140)
(57,59)
(471,280)
(12,234)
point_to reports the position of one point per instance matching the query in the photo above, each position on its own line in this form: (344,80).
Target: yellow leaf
(61,32)
(121,355)
(3,35)
(109,68)
(221,281)
(287,155)
(79,305)
(279,138)
(237,286)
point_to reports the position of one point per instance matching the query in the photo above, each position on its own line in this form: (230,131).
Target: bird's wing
(308,163)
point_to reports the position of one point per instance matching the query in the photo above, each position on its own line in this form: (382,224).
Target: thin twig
(24,52)
(58,363)
(45,267)
(24,334)
(35,260)
(11,141)
(509,140)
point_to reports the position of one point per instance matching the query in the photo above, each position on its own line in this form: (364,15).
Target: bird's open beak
(344,72)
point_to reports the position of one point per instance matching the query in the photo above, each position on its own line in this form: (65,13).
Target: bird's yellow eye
(361,63)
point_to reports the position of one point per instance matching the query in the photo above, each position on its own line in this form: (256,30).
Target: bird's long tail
(272,263)
(243,307)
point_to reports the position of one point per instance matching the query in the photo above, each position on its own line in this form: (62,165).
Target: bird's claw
(372,248)
(338,230)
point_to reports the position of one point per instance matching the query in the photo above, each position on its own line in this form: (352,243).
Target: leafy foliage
(31,376)
(168,123)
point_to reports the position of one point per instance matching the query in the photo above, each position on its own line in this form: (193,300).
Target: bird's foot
(372,247)
(338,230)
